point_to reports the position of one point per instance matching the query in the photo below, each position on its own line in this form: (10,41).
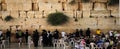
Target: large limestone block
(18,1)
(87,6)
(100,6)
(68,13)
(14,14)
(14,1)
(56,6)
(27,6)
(44,6)
(43,1)
(115,13)
(100,13)
(86,13)
(71,7)
(38,14)
(22,14)
(30,14)
(14,6)
(35,1)
(4,6)
(53,1)
(5,13)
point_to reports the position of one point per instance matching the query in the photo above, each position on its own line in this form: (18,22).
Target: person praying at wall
(77,34)
(26,36)
(88,32)
(98,32)
(19,36)
(35,38)
(8,35)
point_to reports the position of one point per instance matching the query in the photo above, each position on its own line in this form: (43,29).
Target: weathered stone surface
(86,13)
(56,6)
(4,6)
(99,6)
(22,14)
(115,13)
(71,7)
(14,6)
(14,14)
(5,13)
(45,7)
(38,14)
(35,1)
(30,14)
(27,6)
(87,6)
(18,1)
(100,13)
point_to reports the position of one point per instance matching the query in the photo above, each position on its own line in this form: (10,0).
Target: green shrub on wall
(8,18)
(113,2)
(57,18)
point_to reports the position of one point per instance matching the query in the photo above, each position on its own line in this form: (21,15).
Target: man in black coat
(35,38)
(49,36)
(77,34)
(88,32)
(44,36)
(26,36)
(8,35)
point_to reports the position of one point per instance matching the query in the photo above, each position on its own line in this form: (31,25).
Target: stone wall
(28,14)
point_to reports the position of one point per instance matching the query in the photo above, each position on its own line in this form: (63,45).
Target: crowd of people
(79,39)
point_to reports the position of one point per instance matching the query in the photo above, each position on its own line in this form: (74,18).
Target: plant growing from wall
(8,18)
(85,1)
(113,2)
(57,19)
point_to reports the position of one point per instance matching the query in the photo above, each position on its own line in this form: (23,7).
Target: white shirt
(110,33)
(63,34)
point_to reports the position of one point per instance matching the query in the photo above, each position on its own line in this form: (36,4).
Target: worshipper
(77,34)
(111,34)
(106,43)
(30,42)
(26,36)
(8,35)
(82,44)
(88,32)
(19,35)
(98,32)
(63,34)
(56,34)
(49,36)
(92,44)
(40,40)
(81,32)
(35,38)
(2,39)
(1,34)
(44,36)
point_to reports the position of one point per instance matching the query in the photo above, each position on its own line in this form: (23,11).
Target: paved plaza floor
(24,46)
